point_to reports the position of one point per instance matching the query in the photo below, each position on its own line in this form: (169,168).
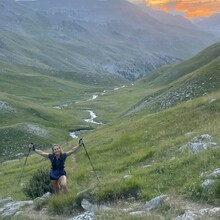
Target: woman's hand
(31,147)
(81,142)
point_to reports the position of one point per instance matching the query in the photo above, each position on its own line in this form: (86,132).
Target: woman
(57,158)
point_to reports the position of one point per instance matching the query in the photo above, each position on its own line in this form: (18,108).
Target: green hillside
(169,73)
(27,99)
(142,141)
(183,81)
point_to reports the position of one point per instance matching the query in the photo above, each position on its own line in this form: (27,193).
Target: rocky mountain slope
(209,24)
(92,37)
(167,18)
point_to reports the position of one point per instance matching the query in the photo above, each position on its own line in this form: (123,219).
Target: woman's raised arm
(74,149)
(40,152)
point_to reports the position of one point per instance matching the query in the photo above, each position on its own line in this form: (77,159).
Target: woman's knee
(62,181)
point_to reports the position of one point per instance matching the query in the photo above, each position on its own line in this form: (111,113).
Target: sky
(188,8)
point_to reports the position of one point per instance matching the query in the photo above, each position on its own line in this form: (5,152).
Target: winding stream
(92,114)
(92,117)
(74,134)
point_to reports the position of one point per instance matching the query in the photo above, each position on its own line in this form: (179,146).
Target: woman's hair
(57,145)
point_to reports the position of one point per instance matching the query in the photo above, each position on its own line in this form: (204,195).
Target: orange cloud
(191,8)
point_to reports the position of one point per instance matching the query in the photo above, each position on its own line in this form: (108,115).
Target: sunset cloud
(191,8)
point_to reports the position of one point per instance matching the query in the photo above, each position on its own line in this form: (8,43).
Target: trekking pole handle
(31,146)
(81,141)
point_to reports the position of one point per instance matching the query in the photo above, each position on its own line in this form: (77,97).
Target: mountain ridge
(211,24)
(111,39)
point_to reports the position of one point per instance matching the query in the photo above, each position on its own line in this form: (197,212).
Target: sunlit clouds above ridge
(189,8)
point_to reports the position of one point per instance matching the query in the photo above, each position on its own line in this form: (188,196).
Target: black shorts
(57,178)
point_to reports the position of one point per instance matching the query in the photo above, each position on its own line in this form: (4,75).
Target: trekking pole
(89,159)
(22,172)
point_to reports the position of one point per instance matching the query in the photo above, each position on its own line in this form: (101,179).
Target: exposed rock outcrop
(209,213)
(200,143)
(8,207)
(211,179)
(6,107)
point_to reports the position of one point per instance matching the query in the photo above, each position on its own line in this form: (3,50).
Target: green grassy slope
(46,53)
(28,97)
(126,146)
(181,82)
(143,144)
(167,74)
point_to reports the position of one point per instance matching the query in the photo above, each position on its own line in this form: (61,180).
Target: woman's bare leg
(63,183)
(56,186)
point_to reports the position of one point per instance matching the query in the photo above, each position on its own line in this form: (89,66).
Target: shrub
(116,191)
(38,185)
(63,204)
